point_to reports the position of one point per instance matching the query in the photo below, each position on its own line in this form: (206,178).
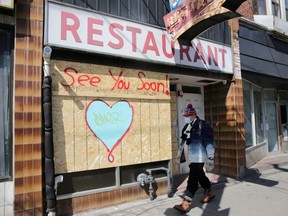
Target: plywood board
(145,131)
(93,132)
(63,130)
(77,79)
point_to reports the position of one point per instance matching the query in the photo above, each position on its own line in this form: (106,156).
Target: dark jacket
(200,141)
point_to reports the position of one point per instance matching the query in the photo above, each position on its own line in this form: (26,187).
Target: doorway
(284,126)
(271,128)
(198,103)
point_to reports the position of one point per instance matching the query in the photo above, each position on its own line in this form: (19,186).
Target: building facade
(119,87)
(114,66)
(263,43)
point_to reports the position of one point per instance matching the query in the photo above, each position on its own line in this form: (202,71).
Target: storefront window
(248,116)
(87,180)
(269,95)
(107,178)
(283,95)
(253,110)
(5,108)
(284,115)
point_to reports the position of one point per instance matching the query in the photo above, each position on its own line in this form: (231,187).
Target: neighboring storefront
(118,90)
(264,70)
(21,27)
(7,27)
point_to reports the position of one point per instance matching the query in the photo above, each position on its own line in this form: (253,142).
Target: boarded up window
(107,116)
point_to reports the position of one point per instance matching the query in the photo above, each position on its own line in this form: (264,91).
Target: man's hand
(178,159)
(209,164)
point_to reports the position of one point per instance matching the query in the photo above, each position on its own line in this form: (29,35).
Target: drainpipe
(48,142)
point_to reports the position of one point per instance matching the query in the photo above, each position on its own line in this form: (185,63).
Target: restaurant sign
(93,32)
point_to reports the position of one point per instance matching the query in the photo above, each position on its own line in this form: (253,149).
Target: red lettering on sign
(65,27)
(66,71)
(184,50)
(73,77)
(82,80)
(92,31)
(114,37)
(153,86)
(112,29)
(164,47)
(199,54)
(119,82)
(211,56)
(223,52)
(134,32)
(153,46)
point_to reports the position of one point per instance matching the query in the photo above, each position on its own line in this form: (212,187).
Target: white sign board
(80,29)
(7,4)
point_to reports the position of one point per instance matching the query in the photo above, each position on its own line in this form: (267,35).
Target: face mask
(187,120)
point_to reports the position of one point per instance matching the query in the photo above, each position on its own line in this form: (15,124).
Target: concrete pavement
(264,192)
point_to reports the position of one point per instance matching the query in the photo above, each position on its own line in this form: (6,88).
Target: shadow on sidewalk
(213,208)
(209,209)
(276,166)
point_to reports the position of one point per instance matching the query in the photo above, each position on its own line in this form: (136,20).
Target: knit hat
(189,111)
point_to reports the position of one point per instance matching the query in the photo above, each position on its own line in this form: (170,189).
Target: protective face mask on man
(187,120)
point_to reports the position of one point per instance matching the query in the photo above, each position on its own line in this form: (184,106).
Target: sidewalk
(262,193)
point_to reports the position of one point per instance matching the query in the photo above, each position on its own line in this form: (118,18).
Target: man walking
(199,138)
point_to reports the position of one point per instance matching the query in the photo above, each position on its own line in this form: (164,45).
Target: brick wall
(246,9)
(224,106)
(28,122)
(107,199)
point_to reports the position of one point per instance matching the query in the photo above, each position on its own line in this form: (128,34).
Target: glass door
(271,126)
(284,126)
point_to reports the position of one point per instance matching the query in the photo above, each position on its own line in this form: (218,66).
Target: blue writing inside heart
(109,123)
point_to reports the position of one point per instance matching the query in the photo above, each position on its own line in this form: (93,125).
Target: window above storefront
(286,9)
(272,14)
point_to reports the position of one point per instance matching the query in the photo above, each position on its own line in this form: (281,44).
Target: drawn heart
(109,123)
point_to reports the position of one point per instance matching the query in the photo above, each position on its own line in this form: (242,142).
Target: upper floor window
(147,11)
(276,8)
(259,7)
(5,105)
(286,9)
